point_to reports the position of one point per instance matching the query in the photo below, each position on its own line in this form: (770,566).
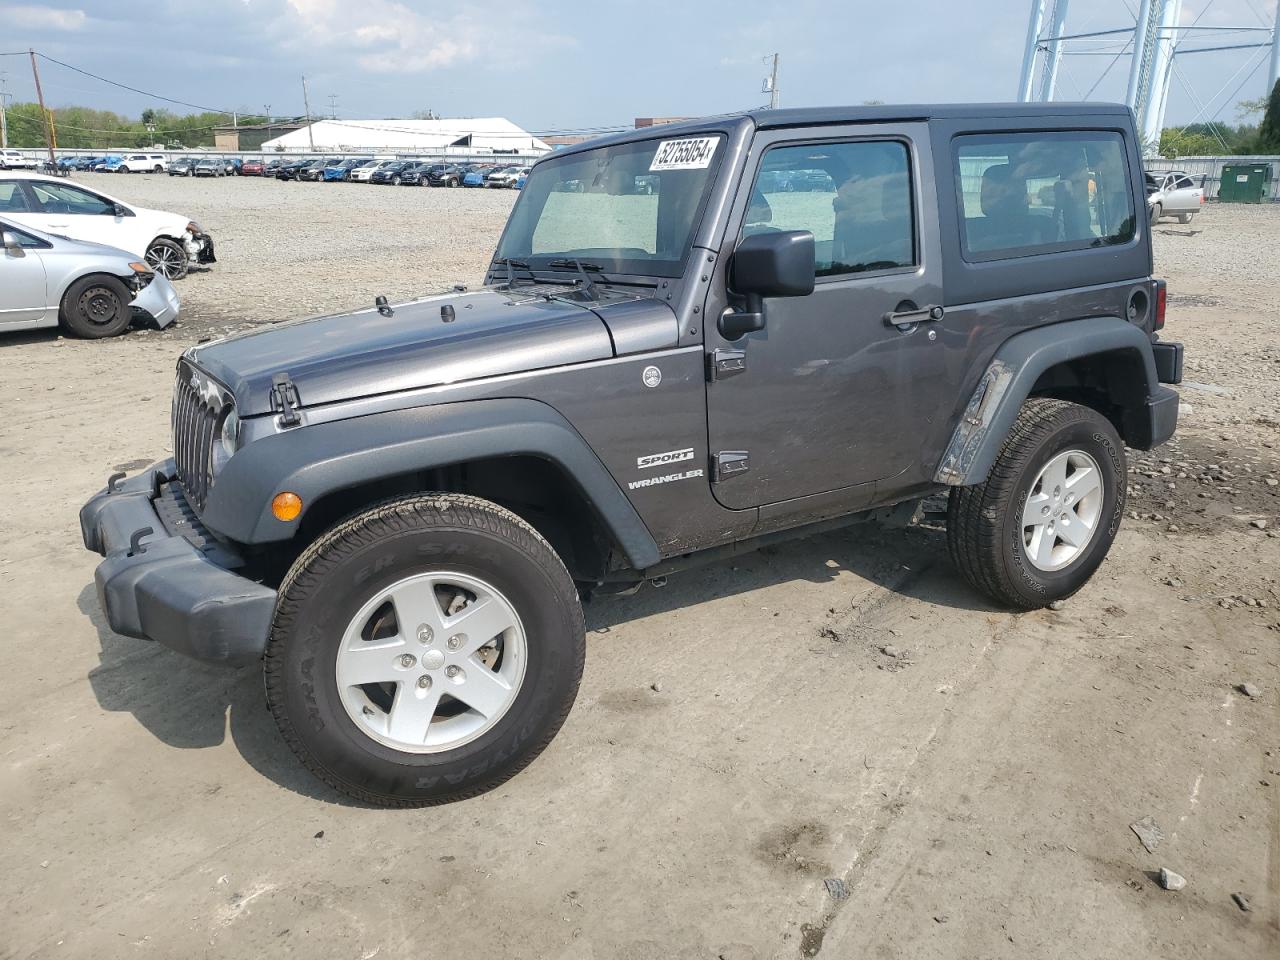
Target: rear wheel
(424,651)
(1185,217)
(167,258)
(1043,521)
(96,307)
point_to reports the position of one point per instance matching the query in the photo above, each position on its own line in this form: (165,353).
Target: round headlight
(230,433)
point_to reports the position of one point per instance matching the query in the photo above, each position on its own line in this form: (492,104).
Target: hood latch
(284,400)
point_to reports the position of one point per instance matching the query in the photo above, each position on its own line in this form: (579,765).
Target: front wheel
(1044,519)
(96,307)
(424,651)
(1156,211)
(168,258)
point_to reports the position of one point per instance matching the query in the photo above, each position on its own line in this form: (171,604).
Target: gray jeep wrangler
(691,340)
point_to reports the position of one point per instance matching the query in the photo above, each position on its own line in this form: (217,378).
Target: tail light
(1162,301)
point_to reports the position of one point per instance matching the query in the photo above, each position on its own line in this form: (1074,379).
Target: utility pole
(1032,48)
(1274,73)
(1142,41)
(48,118)
(4,98)
(1053,56)
(306,102)
(1151,119)
(333,106)
(771,84)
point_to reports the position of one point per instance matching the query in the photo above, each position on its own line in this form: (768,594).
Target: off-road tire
(984,522)
(347,565)
(77,311)
(168,258)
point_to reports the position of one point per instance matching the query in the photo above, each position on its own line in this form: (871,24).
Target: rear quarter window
(1028,194)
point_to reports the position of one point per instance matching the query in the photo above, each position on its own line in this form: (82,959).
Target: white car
(143,163)
(90,290)
(13,160)
(1173,194)
(168,242)
(506,178)
(362,174)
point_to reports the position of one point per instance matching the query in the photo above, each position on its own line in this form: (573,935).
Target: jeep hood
(492,332)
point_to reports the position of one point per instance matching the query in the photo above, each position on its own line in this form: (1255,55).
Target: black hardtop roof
(863,113)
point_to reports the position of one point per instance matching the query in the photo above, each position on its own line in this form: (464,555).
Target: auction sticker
(694,153)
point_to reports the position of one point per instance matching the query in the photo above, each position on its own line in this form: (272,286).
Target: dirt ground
(746,773)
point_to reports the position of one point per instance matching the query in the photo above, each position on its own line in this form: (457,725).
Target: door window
(854,197)
(24,240)
(12,198)
(1023,194)
(64,198)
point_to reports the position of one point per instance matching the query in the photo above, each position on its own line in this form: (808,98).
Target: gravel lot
(741,737)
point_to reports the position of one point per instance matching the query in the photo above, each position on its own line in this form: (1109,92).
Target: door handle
(906,318)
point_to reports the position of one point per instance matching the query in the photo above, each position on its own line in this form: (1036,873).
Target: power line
(125,86)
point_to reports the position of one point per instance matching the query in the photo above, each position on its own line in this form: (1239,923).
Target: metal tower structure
(1153,43)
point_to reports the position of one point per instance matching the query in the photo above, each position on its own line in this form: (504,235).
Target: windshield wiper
(512,265)
(582,269)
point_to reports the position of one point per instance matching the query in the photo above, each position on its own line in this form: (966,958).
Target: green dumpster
(1244,183)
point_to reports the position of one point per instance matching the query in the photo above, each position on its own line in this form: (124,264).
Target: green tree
(1269,129)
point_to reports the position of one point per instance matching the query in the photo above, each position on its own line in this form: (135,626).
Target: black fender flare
(314,461)
(1018,364)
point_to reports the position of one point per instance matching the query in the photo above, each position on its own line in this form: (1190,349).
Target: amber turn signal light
(286,506)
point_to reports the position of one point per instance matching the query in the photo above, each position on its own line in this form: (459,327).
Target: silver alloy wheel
(163,259)
(1062,510)
(431,662)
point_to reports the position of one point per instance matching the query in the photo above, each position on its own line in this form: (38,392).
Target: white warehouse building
(469,135)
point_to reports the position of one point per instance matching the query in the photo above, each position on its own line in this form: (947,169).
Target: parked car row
(397,172)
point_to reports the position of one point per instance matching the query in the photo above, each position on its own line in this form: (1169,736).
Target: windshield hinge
(284,400)
(722,363)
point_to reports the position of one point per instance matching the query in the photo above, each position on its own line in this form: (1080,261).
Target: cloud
(386,36)
(43,18)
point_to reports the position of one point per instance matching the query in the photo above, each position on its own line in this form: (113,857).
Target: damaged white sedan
(91,290)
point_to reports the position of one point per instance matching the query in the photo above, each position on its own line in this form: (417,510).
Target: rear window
(1025,194)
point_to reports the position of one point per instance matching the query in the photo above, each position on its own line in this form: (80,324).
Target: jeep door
(833,393)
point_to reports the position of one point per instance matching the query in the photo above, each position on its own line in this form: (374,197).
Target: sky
(552,65)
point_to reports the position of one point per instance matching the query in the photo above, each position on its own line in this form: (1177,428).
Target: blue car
(475,178)
(342,171)
(520,181)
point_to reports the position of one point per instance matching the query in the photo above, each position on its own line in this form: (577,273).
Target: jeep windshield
(630,208)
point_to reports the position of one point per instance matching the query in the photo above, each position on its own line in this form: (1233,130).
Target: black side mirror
(118,210)
(776,264)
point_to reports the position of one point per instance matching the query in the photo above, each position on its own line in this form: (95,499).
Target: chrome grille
(199,405)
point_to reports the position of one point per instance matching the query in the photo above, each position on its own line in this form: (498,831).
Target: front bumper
(165,578)
(159,300)
(199,247)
